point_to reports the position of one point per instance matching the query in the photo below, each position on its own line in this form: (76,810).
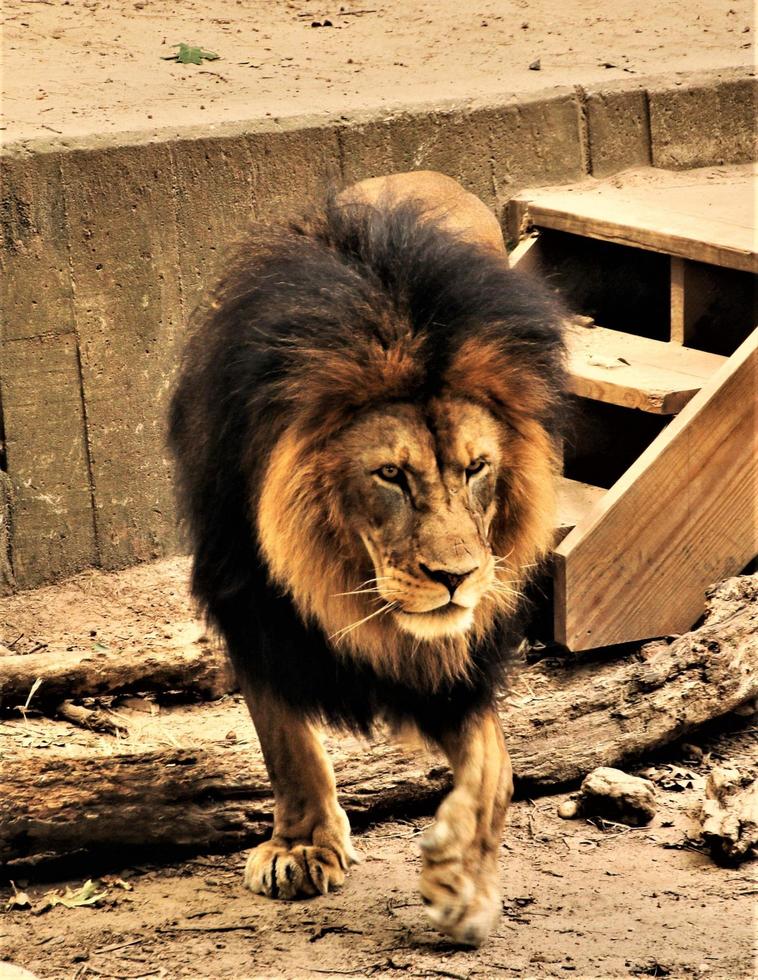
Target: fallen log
(561,718)
(107,633)
(191,664)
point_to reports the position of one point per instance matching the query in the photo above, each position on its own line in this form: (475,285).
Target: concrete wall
(106,249)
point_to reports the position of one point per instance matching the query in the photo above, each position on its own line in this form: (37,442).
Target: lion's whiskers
(505,587)
(361,589)
(356,592)
(346,630)
(499,559)
(503,590)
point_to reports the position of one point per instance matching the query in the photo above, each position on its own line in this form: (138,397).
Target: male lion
(365,431)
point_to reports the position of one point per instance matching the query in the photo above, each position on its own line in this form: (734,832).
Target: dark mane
(288,336)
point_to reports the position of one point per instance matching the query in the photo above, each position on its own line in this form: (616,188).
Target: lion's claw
(278,871)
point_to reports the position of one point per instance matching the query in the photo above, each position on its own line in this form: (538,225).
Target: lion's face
(406,532)
(419,493)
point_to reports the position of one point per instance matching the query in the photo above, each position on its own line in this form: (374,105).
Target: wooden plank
(684,515)
(575,503)
(678,330)
(525,256)
(636,372)
(705,215)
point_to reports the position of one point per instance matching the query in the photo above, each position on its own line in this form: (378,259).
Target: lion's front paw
(459,886)
(279,871)
(463,906)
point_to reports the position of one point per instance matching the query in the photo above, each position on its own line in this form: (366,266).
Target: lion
(365,428)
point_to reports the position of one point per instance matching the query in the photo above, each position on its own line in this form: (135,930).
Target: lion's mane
(313,322)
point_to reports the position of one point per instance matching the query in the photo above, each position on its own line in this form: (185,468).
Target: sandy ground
(579,900)
(76,67)
(146,605)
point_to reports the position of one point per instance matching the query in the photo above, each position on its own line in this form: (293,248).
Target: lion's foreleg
(310,847)
(460,881)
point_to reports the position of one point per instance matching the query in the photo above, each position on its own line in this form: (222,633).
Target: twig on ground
(205,71)
(230,928)
(115,946)
(91,718)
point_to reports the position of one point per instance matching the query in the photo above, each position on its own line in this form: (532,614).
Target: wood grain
(703,215)
(685,513)
(635,372)
(678,328)
(576,501)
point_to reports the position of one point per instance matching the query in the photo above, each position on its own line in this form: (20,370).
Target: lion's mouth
(448,609)
(447,620)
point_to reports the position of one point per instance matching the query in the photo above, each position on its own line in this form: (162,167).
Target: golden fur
(317,549)
(371,481)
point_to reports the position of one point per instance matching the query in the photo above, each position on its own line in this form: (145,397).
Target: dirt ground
(74,68)
(579,899)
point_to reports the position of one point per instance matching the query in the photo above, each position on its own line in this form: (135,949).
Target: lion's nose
(451,580)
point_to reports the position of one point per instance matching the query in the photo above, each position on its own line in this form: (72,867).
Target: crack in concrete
(82,394)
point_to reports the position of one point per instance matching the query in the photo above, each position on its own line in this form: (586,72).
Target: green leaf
(86,895)
(189,55)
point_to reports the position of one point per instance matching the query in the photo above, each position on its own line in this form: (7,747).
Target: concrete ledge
(108,246)
(701,124)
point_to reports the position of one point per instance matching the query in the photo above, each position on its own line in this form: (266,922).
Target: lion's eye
(474,467)
(389,473)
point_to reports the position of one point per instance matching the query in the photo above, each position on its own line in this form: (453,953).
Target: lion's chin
(449,620)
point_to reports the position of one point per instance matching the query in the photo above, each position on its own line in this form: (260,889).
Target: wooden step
(576,502)
(635,372)
(682,517)
(703,215)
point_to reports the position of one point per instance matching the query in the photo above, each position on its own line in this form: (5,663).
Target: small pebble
(568,810)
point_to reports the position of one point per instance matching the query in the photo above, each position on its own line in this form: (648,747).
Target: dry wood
(525,255)
(636,372)
(683,514)
(561,720)
(701,215)
(623,369)
(95,719)
(193,666)
(576,501)
(679,318)
(729,817)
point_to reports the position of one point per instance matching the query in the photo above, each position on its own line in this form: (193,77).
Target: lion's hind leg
(310,849)
(460,881)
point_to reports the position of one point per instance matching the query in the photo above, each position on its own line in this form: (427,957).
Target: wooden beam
(525,256)
(684,513)
(636,372)
(702,215)
(678,329)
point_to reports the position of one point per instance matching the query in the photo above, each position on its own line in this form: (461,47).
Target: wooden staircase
(673,257)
